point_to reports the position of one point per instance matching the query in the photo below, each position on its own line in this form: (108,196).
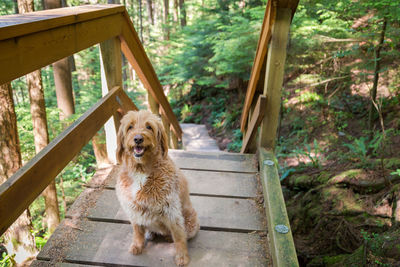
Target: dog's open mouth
(138,151)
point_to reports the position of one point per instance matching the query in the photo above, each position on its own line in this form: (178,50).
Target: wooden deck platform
(224,191)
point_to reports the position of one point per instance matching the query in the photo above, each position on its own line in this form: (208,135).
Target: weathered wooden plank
(214,212)
(30,180)
(221,183)
(134,52)
(214,161)
(274,77)
(109,246)
(281,244)
(259,60)
(22,24)
(39,263)
(30,52)
(214,183)
(255,121)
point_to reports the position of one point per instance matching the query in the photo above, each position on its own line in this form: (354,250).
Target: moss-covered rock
(342,201)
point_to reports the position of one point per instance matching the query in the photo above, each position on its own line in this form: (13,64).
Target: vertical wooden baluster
(166,126)
(174,140)
(111,76)
(274,77)
(153,105)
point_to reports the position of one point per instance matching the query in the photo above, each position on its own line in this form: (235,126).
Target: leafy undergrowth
(340,180)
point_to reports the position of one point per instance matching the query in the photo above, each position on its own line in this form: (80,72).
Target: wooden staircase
(224,191)
(224,186)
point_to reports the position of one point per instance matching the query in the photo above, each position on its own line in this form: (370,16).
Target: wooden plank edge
(255,121)
(136,55)
(73,16)
(282,246)
(30,180)
(23,59)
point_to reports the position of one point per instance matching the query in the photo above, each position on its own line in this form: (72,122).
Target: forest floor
(341,182)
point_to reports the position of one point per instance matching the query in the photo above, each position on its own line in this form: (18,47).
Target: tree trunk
(376,73)
(140,21)
(50,4)
(19,237)
(40,131)
(15,6)
(125,72)
(41,136)
(166,15)
(62,77)
(63,81)
(183,12)
(150,10)
(176,11)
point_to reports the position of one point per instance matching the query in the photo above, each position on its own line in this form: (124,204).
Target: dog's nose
(138,139)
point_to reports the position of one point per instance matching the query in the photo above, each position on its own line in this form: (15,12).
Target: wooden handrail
(261,53)
(134,52)
(33,40)
(259,61)
(280,235)
(21,189)
(255,121)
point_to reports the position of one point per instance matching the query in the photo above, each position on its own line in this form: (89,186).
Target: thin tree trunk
(166,15)
(150,11)
(41,137)
(125,72)
(19,237)
(16,6)
(75,83)
(140,20)
(62,77)
(63,81)
(40,131)
(176,11)
(183,12)
(376,73)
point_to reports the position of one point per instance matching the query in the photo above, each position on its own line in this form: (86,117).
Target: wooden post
(274,77)
(153,105)
(111,76)
(253,143)
(174,140)
(166,125)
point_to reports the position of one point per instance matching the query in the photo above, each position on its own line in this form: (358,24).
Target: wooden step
(214,161)
(242,215)
(107,244)
(214,183)
(223,190)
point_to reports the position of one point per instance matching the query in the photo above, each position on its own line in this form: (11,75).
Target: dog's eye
(149,127)
(130,127)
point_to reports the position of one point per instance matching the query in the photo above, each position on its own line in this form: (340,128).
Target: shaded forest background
(339,132)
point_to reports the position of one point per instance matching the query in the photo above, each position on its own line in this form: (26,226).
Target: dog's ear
(162,138)
(120,144)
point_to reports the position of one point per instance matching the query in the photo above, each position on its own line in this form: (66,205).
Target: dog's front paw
(182,259)
(136,249)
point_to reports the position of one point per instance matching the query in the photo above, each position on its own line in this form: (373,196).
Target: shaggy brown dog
(151,189)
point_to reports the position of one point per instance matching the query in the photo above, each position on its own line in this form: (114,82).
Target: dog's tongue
(138,150)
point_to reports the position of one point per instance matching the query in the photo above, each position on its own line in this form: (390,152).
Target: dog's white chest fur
(139,180)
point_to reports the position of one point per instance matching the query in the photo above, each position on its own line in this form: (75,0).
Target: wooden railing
(260,115)
(267,76)
(31,41)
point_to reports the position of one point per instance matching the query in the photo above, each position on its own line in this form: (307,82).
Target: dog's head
(141,136)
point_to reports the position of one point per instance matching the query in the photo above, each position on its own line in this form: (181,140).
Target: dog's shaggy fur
(152,191)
